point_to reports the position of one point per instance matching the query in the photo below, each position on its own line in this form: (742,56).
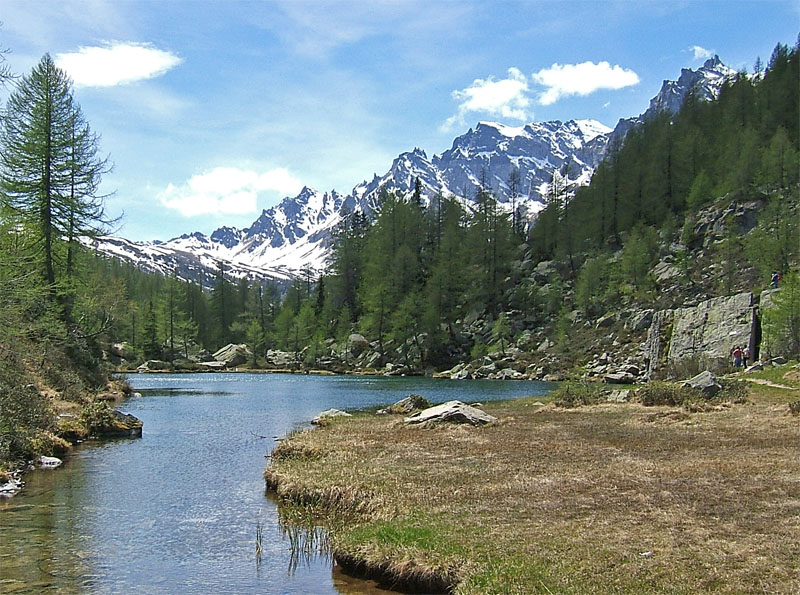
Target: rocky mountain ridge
(296,233)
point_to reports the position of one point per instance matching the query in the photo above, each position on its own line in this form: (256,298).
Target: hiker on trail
(745,357)
(737,357)
(776,277)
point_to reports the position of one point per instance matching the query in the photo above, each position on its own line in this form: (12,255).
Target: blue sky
(214,110)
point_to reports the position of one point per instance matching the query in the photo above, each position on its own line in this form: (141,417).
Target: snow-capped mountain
(296,233)
(706,81)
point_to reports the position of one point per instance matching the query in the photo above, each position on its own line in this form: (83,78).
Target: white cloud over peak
(564,80)
(116,63)
(504,98)
(700,53)
(227,191)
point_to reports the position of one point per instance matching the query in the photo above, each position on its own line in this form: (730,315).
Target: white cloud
(700,53)
(581,79)
(504,98)
(116,63)
(227,191)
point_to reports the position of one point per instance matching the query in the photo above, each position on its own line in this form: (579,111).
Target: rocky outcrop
(704,335)
(654,343)
(233,355)
(451,412)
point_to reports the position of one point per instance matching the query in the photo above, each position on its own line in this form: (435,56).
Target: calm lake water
(177,510)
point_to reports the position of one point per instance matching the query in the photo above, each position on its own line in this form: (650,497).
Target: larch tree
(50,170)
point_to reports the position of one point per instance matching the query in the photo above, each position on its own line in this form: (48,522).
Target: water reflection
(181,509)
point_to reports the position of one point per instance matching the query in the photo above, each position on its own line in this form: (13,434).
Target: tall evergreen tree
(49,167)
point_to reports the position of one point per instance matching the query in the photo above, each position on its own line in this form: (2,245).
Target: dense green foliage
(428,285)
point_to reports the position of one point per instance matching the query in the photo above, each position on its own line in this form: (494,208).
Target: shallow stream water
(178,510)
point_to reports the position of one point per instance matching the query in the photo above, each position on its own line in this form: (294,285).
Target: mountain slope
(296,233)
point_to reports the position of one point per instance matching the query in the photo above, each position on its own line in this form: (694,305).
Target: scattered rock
(607,321)
(407,405)
(619,396)
(11,488)
(212,365)
(640,320)
(358,344)
(705,382)
(328,414)
(451,412)
(153,365)
(619,378)
(48,462)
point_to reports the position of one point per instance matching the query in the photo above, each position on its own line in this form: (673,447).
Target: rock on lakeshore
(233,355)
(329,414)
(451,412)
(115,424)
(407,405)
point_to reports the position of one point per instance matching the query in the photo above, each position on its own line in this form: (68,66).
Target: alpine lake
(182,509)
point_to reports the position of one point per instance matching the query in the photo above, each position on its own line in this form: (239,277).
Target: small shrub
(576,394)
(733,392)
(667,393)
(478,351)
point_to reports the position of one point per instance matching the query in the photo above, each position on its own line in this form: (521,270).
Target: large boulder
(358,344)
(451,412)
(105,422)
(153,365)
(233,355)
(407,405)
(705,334)
(705,382)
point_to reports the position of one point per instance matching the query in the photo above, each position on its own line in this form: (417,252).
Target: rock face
(233,355)
(706,333)
(451,412)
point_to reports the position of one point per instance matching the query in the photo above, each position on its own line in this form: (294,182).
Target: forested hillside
(709,195)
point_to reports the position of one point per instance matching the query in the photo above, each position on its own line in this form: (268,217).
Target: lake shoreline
(552,499)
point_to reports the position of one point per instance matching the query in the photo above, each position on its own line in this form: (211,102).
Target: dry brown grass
(608,498)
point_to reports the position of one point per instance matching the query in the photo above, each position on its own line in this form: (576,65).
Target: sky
(213,110)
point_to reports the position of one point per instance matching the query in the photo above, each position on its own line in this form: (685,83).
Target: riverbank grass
(600,498)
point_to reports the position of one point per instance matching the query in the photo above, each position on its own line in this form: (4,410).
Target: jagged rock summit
(296,233)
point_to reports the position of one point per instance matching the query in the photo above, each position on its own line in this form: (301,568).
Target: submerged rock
(451,412)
